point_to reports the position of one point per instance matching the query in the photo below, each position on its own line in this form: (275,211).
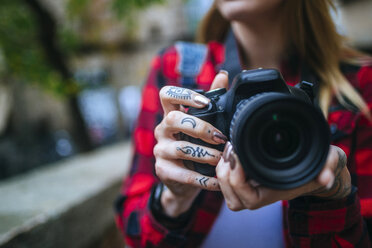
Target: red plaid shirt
(309,222)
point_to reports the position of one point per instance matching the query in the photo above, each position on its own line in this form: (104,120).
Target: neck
(261,44)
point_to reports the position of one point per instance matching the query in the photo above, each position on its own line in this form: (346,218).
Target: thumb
(221,80)
(335,162)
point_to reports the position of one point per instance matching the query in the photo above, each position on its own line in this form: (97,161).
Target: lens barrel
(282,141)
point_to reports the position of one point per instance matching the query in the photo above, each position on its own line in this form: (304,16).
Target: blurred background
(71,73)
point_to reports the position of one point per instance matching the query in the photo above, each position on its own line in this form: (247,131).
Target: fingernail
(226,152)
(201,100)
(232,159)
(219,137)
(330,183)
(327,175)
(224,72)
(228,155)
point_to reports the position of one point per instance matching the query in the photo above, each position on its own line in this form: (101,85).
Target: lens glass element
(280,138)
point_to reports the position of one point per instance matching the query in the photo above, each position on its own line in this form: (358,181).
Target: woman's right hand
(183,184)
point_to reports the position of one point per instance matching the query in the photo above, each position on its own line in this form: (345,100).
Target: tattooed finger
(207,182)
(183,150)
(189,120)
(173,97)
(179,93)
(177,121)
(199,154)
(195,151)
(171,175)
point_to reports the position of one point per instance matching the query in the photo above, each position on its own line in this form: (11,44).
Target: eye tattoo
(198,152)
(179,93)
(190,120)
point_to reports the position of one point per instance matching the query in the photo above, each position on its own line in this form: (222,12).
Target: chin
(240,10)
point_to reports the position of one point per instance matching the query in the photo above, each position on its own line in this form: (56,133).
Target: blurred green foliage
(22,53)
(124,8)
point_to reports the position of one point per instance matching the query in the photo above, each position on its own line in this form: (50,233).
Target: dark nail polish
(226,152)
(219,137)
(232,159)
(228,155)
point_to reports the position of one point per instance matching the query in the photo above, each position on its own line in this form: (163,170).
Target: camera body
(280,137)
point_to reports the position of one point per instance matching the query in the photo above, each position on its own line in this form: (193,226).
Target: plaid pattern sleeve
(342,223)
(311,222)
(139,225)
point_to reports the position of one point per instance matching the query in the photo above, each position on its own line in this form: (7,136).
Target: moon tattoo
(189,120)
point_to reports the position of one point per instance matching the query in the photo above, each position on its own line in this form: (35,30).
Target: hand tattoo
(198,152)
(189,120)
(342,160)
(179,93)
(339,189)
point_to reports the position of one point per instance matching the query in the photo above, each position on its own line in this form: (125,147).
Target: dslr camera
(280,137)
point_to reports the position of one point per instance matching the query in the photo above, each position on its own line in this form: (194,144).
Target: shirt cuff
(172,223)
(311,215)
(175,229)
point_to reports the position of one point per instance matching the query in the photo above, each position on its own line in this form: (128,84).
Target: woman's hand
(183,184)
(333,182)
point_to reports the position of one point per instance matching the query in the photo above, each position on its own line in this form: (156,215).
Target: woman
(296,37)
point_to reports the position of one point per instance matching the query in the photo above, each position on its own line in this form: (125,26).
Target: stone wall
(68,204)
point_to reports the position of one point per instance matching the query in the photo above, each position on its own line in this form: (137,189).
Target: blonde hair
(313,34)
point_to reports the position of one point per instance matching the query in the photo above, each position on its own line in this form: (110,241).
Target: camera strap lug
(308,88)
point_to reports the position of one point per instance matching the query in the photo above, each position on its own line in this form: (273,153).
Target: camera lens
(281,140)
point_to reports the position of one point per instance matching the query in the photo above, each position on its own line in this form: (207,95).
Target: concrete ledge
(68,204)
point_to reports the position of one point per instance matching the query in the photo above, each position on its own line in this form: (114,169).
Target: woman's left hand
(333,182)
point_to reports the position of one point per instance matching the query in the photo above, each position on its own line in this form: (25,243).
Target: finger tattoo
(179,93)
(189,120)
(194,152)
(203,181)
